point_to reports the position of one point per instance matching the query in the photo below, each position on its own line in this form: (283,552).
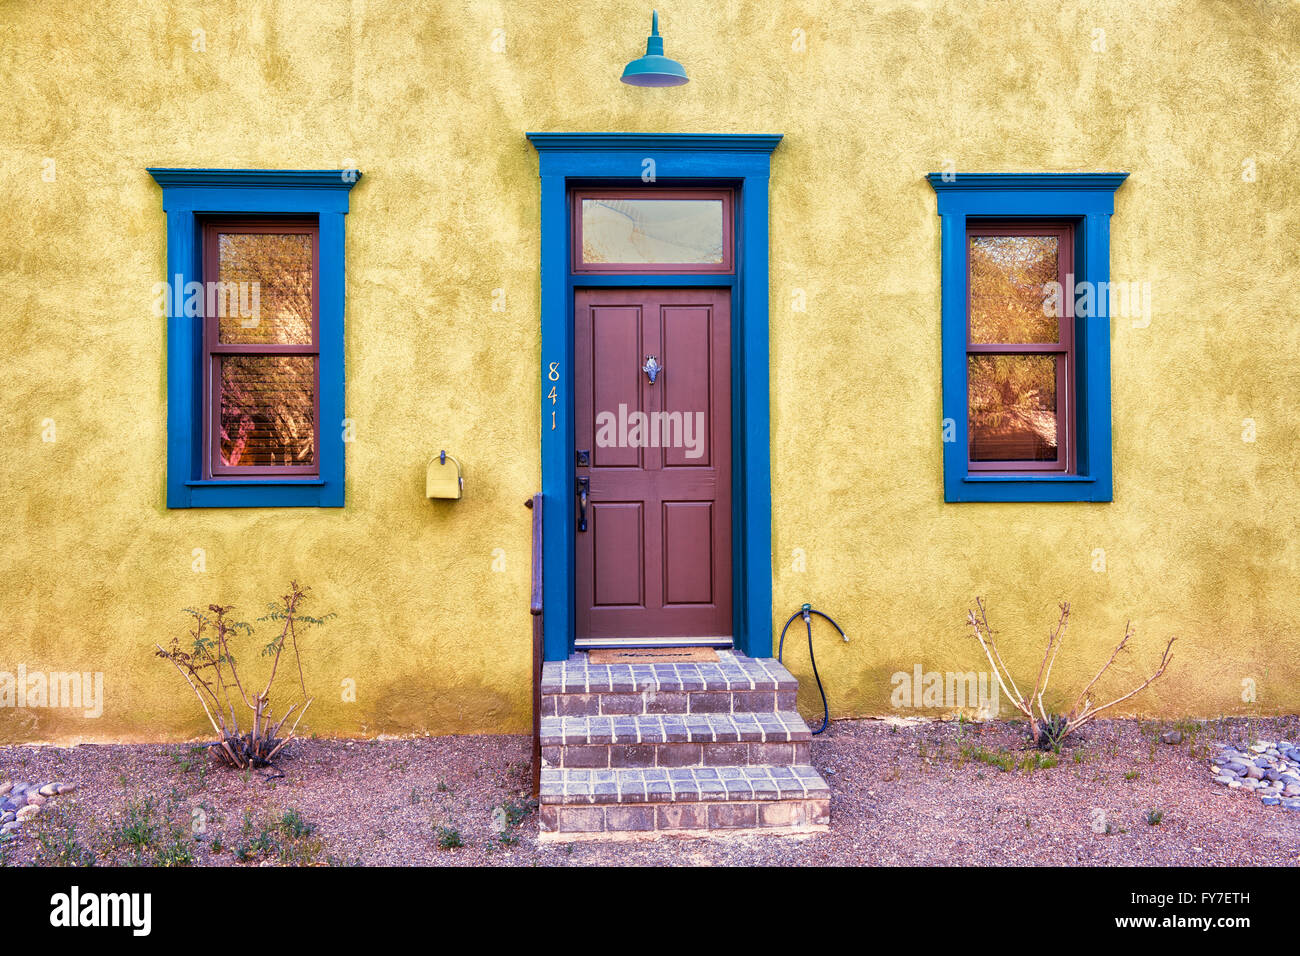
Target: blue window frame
(190,195)
(1085,200)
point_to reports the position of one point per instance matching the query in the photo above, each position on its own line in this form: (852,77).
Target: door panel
(616,539)
(688,552)
(616,335)
(655,561)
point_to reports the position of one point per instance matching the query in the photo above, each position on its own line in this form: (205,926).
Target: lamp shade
(654,69)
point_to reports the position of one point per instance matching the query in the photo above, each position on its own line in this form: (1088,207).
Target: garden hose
(807,611)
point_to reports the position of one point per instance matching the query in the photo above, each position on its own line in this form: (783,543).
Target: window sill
(258,482)
(304,492)
(1027,488)
(1034,479)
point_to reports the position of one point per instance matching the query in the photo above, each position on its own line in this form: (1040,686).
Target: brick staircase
(670,748)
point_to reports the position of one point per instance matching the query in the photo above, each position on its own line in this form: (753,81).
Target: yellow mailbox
(443,479)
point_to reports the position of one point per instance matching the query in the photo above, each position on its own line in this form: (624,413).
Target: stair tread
(775,727)
(677,785)
(731,672)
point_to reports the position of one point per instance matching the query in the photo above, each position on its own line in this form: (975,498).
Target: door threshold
(584,643)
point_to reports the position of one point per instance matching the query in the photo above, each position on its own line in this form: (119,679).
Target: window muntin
(261,347)
(652,230)
(1020,347)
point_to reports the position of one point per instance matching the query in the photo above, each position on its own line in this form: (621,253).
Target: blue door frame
(667,159)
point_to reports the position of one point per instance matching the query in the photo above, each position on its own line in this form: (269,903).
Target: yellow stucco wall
(1200,540)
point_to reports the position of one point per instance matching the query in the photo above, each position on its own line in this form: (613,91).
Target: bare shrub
(209,667)
(1048,729)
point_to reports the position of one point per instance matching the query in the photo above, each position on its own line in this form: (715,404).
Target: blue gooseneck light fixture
(654,69)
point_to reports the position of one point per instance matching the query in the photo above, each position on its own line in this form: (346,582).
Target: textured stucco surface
(1200,540)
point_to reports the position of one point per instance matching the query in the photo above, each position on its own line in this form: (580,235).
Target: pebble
(22,800)
(1172,737)
(1270,771)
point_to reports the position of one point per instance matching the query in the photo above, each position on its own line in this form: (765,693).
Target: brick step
(734,684)
(611,704)
(676,740)
(581,803)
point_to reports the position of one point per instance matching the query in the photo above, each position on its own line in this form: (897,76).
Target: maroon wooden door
(655,558)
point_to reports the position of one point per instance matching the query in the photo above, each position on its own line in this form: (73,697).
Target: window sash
(1063,348)
(725,196)
(214,349)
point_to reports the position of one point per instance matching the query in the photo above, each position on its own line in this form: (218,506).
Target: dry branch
(211,656)
(1049,729)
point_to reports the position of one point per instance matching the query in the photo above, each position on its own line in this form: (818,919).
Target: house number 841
(554,376)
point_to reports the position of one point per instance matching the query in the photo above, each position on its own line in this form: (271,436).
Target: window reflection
(269,275)
(1008,288)
(653,231)
(268,410)
(1012,407)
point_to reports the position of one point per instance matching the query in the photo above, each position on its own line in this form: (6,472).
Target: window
(1026,374)
(255,336)
(1019,363)
(652,230)
(262,361)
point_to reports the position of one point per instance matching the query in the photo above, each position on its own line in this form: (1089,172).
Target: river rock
(26,813)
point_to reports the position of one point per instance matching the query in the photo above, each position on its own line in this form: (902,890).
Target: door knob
(584,487)
(652,368)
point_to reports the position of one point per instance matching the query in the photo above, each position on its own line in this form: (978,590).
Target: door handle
(584,487)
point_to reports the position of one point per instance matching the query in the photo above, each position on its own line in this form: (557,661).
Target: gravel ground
(912,795)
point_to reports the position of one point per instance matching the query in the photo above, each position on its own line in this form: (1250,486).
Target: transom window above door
(652,230)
